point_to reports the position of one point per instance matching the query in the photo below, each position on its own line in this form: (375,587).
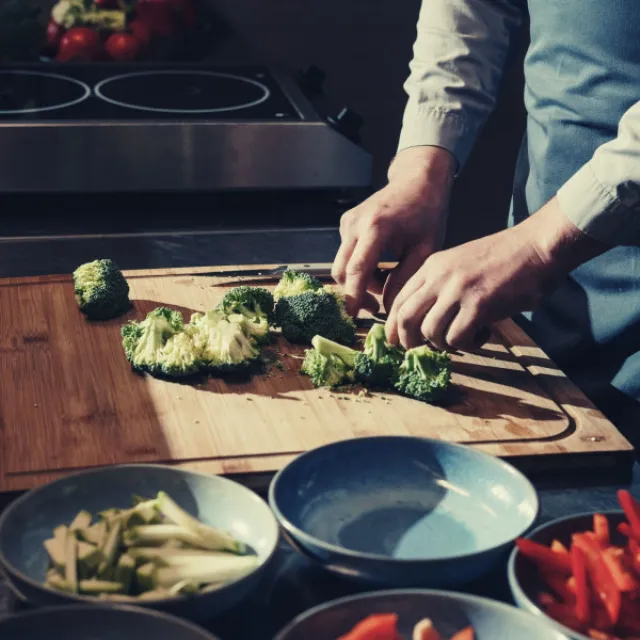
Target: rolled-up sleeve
(603,198)
(458,62)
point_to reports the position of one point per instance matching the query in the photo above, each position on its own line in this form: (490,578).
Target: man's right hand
(407,217)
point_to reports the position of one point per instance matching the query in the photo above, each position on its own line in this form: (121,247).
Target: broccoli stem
(328,347)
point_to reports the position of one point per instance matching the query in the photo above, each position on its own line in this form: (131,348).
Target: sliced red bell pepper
(631,509)
(558,547)
(546,598)
(623,579)
(583,598)
(564,614)
(634,546)
(600,577)
(542,555)
(383,626)
(466,634)
(601,528)
(600,635)
(558,585)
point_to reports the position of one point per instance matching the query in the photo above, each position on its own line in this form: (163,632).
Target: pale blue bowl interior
(29,521)
(403,498)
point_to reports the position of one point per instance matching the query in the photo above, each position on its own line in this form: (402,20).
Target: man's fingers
(409,289)
(370,303)
(400,275)
(436,322)
(417,301)
(360,269)
(339,268)
(465,332)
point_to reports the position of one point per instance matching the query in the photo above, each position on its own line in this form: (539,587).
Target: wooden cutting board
(68,399)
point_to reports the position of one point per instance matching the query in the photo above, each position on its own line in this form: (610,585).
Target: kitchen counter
(292,584)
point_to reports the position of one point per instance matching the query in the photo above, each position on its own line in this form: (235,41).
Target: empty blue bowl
(524,581)
(403,511)
(449,612)
(30,520)
(78,622)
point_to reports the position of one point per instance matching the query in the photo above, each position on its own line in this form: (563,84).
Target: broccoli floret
(252,302)
(378,364)
(223,346)
(329,364)
(314,313)
(145,341)
(293,283)
(179,357)
(424,374)
(257,328)
(101,290)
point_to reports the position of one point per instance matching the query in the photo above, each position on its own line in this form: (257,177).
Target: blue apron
(582,73)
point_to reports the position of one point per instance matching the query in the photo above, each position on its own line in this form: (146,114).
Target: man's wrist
(427,168)
(558,242)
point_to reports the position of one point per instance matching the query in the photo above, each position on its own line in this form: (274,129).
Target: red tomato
(80,43)
(123,47)
(158,17)
(141,32)
(54,34)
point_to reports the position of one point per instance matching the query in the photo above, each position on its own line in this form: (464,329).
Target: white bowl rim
(301,536)
(457,596)
(514,584)
(151,604)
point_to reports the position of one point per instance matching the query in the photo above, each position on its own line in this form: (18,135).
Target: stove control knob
(311,80)
(348,122)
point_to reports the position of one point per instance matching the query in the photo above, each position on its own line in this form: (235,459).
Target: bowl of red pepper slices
(582,573)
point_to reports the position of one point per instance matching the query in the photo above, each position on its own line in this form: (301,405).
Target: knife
(319,270)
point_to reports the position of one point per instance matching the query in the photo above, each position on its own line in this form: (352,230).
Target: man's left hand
(459,291)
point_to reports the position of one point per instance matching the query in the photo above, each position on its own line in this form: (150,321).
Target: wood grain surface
(68,399)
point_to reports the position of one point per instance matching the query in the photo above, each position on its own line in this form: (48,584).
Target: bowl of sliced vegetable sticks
(582,573)
(154,536)
(414,614)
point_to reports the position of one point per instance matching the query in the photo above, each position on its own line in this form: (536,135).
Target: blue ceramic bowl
(78,622)
(403,511)
(30,520)
(524,581)
(449,612)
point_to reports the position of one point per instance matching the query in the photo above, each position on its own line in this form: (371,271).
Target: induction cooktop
(111,128)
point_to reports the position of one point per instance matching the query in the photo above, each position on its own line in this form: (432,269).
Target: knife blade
(321,270)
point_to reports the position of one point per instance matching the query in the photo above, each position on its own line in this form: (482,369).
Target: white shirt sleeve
(458,63)
(603,197)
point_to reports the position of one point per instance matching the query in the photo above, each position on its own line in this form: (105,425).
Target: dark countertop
(292,584)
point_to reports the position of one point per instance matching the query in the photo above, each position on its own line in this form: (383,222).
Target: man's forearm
(459,57)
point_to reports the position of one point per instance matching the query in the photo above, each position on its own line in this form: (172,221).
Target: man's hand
(459,291)
(407,217)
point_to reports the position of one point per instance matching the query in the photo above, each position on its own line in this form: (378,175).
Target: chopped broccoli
(329,364)
(378,364)
(312,313)
(256,328)
(144,342)
(251,302)
(293,283)
(424,374)
(223,346)
(179,357)
(101,290)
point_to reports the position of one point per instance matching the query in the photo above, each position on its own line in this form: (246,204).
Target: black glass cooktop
(108,92)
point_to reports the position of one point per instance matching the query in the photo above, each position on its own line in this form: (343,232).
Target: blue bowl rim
(73,597)
(440,593)
(140,611)
(514,583)
(300,535)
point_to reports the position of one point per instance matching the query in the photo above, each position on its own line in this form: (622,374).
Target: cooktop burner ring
(264,90)
(85,88)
